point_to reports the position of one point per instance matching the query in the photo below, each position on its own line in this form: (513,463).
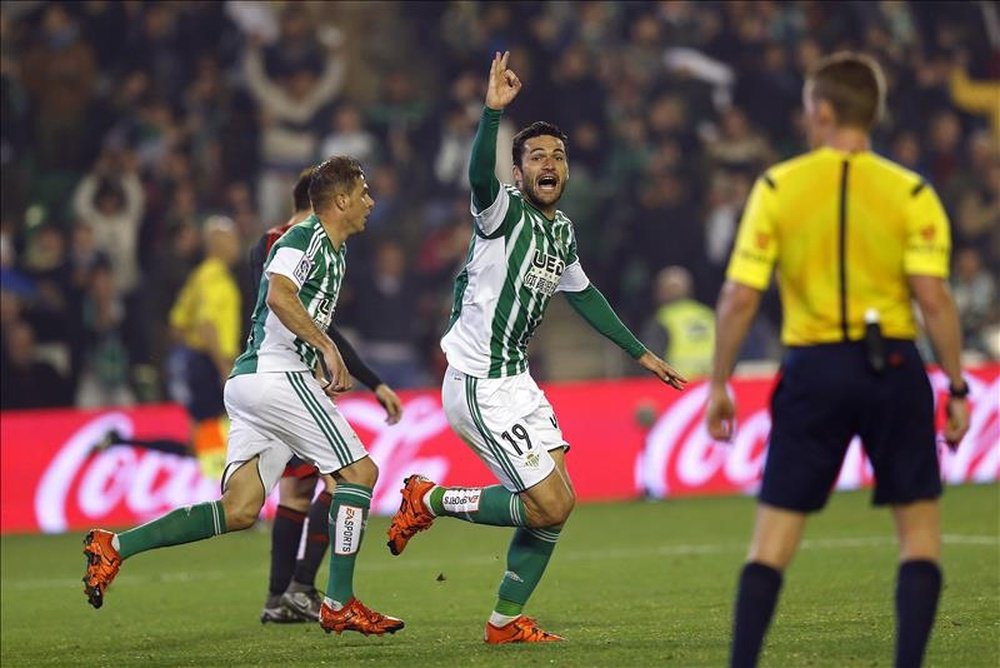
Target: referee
(854,238)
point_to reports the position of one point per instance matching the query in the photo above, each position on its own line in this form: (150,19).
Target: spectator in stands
(111,200)
(681,329)
(348,136)
(739,146)
(977,199)
(387,322)
(46,264)
(104,377)
(975,292)
(60,73)
(25,380)
(288,105)
(451,163)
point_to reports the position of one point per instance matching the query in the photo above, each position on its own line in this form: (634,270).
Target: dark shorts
(299,468)
(826,395)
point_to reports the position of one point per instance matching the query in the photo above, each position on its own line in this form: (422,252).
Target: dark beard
(531,196)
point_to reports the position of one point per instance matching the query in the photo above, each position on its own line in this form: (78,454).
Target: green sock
(480,505)
(527,558)
(348,515)
(183,525)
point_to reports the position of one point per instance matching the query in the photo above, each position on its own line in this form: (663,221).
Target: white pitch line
(183,577)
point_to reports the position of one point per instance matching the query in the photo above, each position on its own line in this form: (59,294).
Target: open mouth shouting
(548,183)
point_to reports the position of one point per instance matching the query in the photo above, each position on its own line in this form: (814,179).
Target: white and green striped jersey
(517,259)
(306,256)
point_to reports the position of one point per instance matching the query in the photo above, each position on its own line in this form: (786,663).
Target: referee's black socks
(755,602)
(918,587)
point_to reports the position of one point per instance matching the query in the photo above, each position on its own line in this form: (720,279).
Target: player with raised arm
(522,252)
(278,408)
(292,594)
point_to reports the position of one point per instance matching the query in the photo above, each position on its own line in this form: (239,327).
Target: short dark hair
(331,177)
(300,195)
(536,129)
(854,86)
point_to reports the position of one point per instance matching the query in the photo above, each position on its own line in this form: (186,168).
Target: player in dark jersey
(292,595)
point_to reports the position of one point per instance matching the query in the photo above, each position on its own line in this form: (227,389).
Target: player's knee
(362,472)
(241,516)
(555,513)
(564,509)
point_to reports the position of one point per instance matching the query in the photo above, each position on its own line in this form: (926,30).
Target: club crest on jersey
(544,273)
(301,272)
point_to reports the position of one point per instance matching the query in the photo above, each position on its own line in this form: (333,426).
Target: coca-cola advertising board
(628,437)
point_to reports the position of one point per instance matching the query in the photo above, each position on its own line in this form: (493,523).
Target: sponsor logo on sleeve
(301,272)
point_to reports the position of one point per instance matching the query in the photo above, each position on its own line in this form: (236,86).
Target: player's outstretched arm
(594,308)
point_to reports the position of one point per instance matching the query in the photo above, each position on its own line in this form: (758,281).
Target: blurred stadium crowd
(126,125)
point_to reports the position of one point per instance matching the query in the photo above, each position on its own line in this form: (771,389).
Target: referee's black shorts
(826,395)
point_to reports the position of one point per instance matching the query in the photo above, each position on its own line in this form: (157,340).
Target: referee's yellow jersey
(210,294)
(845,231)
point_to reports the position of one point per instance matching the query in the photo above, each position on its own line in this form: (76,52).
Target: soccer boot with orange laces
(413,515)
(103,562)
(521,629)
(354,616)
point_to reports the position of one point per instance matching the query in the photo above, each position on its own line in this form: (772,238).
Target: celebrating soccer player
(522,252)
(278,408)
(292,594)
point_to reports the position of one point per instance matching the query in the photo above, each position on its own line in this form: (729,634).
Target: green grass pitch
(631,584)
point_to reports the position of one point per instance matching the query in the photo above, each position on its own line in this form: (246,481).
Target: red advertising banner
(628,437)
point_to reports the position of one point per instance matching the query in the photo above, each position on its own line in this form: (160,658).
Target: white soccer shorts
(508,422)
(275,415)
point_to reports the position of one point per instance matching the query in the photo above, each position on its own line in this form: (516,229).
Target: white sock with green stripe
(348,516)
(492,505)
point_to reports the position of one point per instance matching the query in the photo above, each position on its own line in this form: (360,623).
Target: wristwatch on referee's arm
(958,391)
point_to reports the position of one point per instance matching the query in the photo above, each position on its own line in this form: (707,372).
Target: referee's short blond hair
(853,84)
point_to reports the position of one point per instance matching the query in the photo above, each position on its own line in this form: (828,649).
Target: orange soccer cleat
(521,629)
(102,564)
(413,515)
(354,616)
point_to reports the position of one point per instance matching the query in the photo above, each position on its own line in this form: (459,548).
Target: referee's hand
(720,416)
(958,421)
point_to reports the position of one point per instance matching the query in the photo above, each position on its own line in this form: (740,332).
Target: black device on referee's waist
(874,342)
